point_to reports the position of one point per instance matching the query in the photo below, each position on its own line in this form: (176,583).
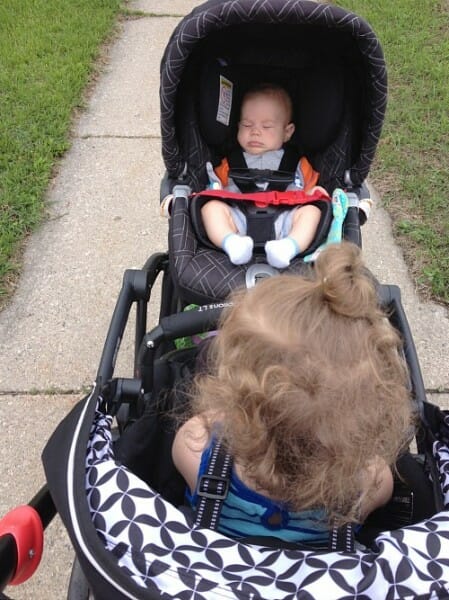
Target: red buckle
(290,198)
(280,198)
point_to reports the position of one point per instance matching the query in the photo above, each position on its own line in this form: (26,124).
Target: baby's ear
(289,130)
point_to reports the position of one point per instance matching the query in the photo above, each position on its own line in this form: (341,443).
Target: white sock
(239,248)
(280,252)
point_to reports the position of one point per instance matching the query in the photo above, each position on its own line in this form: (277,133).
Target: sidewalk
(104,219)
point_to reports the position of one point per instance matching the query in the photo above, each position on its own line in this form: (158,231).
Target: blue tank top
(246,513)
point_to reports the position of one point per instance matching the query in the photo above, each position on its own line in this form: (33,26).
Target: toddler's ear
(289,130)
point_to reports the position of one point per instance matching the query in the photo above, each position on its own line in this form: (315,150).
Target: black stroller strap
(236,159)
(246,178)
(341,539)
(213,487)
(260,223)
(290,159)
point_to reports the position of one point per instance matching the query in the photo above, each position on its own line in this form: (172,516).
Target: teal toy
(340,204)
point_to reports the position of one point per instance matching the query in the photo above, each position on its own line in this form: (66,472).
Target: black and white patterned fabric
(157,548)
(441,453)
(213,17)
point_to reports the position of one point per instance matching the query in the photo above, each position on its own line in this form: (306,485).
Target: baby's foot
(239,248)
(280,252)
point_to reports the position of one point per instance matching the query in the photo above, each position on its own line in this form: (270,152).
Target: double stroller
(108,464)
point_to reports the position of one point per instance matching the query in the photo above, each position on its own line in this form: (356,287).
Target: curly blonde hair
(308,385)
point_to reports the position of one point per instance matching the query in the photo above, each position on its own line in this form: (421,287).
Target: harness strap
(289,160)
(341,539)
(263,199)
(213,487)
(236,160)
(287,165)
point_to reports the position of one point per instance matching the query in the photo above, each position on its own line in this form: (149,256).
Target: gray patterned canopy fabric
(230,22)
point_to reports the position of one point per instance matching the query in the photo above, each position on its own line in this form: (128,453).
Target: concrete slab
(125,101)
(441,400)
(26,423)
(21,472)
(429,322)
(103,218)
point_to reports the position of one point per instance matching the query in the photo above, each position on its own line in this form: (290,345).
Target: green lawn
(47,51)
(412,162)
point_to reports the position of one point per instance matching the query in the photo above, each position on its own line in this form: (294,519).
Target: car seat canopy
(328,59)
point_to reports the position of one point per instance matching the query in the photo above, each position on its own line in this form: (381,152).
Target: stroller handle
(136,288)
(22,538)
(204,318)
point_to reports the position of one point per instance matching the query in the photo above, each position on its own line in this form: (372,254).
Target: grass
(410,170)
(47,52)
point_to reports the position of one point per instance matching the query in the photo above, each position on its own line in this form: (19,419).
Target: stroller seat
(133,540)
(327,84)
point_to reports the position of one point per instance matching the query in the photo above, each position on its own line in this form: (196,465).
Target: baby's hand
(214,180)
(318,188)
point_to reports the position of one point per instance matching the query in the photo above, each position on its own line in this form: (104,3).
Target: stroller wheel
(78,587)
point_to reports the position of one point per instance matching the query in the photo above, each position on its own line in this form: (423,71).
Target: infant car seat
(336,80)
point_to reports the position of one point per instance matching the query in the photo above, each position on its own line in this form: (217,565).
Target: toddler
(307,389)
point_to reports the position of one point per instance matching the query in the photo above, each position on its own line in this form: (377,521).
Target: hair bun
(344,281)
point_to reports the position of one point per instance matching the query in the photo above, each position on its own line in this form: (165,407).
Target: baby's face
(264,125)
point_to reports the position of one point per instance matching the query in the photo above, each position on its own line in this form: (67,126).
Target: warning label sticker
(225,101)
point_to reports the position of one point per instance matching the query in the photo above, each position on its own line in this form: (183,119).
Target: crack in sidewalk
(46,392)
(110,136)
(85,390)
